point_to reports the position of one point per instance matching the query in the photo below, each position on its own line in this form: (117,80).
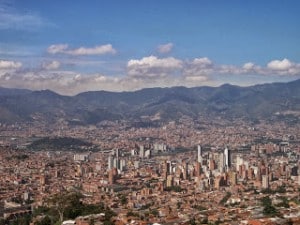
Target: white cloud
(249,66)
(7,67)
(153,61)
(205,67)
(274,67)
(198,69)
(284,64)
(53,65)
(196,78)
(283,67)
(202,62)
(149,71)
(5,64)
(101,78)
(153,67)
(60,48)
(64,82)
(97,50)
(166,48)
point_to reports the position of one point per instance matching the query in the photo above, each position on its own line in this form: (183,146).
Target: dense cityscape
(186,172)
(149,112)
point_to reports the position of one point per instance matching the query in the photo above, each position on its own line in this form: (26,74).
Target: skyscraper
(265,181)
(197,169)
(142,151)
(110,162)
(227,158)
(117,153)
(221,162)
(199,154)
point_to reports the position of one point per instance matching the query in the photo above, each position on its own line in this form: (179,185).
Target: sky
(75,46)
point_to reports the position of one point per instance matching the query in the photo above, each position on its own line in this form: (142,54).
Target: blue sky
(74,46)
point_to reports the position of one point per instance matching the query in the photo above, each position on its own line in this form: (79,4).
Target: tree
(24,220)
(226,197)
(269,209)
(154,212)
(45,221)
(124,200)
(66,203)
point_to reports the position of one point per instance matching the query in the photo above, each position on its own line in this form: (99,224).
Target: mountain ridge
(228,101)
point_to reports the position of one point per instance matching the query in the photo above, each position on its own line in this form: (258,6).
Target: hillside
(277,100)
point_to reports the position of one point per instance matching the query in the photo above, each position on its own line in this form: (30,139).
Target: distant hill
(13,91)
(275,100)
(60,143)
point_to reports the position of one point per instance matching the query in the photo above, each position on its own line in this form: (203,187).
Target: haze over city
(75,46)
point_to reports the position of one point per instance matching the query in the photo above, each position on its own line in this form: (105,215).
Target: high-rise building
(142,151)
(170,180)
(199,158)
(117,153)
(211,179)
(169,167)
(122,164)
(258,174)
(211,164)
(251,173)
(239,161)
(110,162)
(227,158)
(111,176)
(265,181)
(221,163)
(116,163)
(198,169)
(185,170)
(233,178)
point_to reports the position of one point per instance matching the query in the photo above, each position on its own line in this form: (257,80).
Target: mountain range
(265,101)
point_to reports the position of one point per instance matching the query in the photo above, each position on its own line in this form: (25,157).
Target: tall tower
(110,162)
(199,154)
(221,162)
(112,175)
(185,170)
(142,151)
(197,169)
(265,181)
(227,158)
(167,169)
(117,153)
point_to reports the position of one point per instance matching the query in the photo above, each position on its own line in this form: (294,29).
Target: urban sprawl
(185,172)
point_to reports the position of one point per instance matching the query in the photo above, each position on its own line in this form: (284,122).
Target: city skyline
(72,47)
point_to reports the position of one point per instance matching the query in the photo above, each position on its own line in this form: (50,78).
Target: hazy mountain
(13,91)
(153,104)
